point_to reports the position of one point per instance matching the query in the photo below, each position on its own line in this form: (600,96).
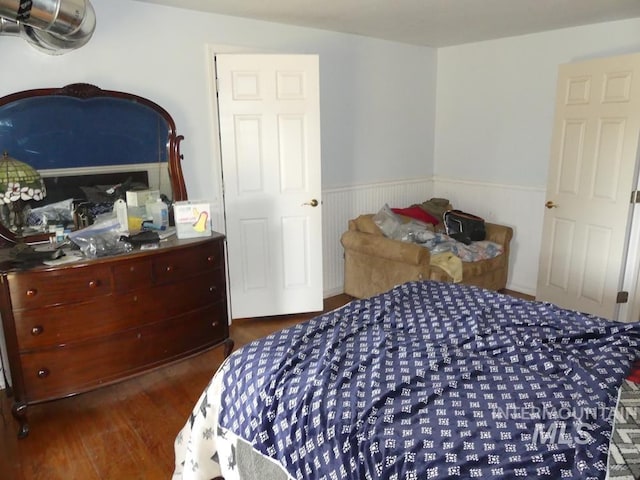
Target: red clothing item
(417,213)
(634,374)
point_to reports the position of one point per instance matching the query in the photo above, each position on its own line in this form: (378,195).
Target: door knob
(313,203)
(550,204)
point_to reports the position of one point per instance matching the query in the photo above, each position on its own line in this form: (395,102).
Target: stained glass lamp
(19,182)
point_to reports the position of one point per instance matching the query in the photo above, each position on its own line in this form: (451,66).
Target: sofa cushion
(365,224)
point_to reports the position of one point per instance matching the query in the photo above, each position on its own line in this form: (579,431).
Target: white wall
(495,106)
(377,97)
(378,102)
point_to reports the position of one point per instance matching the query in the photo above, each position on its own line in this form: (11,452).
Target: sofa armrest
(383,247)
(500,234)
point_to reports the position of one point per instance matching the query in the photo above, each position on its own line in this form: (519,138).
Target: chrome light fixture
(51,26)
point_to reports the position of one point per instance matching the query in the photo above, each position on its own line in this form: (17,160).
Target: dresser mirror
(89,145)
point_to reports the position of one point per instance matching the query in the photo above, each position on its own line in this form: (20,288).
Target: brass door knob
(550,204)
(313,203)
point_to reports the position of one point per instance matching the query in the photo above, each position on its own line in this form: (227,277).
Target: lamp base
(29,257)
(21,249)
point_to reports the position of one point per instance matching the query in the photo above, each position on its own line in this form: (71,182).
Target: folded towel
(448,262)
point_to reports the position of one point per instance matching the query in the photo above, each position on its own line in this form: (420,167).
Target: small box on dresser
(192,218)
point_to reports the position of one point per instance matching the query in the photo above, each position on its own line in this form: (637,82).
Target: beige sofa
(374,263)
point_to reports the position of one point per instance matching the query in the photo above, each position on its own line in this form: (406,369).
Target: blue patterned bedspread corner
(433,380)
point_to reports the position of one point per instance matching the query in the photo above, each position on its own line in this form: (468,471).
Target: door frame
(630,311)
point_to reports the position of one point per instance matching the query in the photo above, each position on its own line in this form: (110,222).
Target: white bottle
(120,206)
(159,214)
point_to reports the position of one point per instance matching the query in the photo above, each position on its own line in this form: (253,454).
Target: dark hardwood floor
(123,431)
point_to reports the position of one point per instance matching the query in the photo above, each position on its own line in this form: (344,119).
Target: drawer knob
(43,373)
(213,289)
(37,330)
(94,283)
(32,292)
(169,268)
(215,323)
(211,259)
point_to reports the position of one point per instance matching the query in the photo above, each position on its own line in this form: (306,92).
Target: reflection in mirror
(90,146)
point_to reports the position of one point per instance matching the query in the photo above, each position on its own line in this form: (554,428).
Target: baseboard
(333,292)
(514,293)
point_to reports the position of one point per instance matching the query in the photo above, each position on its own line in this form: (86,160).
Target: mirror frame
(88,91)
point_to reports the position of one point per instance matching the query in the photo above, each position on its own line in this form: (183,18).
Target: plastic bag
(100,239)
(387,222)
(58,213)
(412,231)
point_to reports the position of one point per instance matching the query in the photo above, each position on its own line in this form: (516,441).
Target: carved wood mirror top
(98,136)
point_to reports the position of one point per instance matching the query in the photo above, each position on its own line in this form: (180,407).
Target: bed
(429,380)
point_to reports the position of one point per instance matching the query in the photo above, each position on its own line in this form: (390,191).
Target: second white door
(592,173)
(269,116)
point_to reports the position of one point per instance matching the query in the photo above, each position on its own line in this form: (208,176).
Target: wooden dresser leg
(228,347)
(19,411)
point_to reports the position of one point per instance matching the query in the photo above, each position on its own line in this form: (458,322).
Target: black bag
(463,226)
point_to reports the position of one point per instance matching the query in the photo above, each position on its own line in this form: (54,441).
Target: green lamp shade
(19,181)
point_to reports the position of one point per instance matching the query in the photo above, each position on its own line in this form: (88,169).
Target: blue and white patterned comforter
(427,381)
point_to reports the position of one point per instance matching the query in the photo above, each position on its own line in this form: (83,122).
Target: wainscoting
(519,207)
(516,206)
(339,205)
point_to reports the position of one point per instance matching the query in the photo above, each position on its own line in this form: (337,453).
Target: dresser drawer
(56,287)
(181,264)
(57,325)
(62,371)
(132,274)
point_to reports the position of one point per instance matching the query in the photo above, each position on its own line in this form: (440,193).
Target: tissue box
(192,219)
(139,198)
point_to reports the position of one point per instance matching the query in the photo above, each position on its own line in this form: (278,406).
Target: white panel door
(592,173)
(269,114)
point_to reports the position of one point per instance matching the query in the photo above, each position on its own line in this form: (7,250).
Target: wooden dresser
(73,328)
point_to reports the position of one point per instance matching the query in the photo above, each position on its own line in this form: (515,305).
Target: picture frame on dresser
(75,327)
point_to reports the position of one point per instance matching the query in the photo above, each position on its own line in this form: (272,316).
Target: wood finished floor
(123,431)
